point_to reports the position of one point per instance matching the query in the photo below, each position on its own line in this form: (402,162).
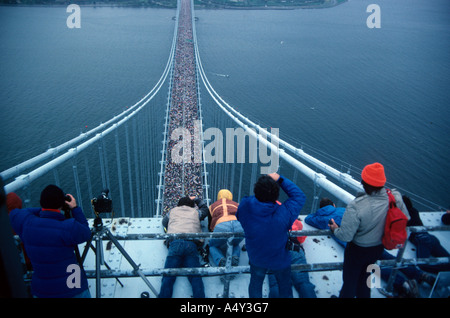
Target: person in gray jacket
(363,227)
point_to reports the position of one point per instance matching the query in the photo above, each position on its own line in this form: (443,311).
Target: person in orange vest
(222,218)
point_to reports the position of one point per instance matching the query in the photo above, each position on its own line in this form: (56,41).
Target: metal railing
(227,270)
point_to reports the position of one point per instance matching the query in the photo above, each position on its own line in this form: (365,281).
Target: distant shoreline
(161,5)
(329,4)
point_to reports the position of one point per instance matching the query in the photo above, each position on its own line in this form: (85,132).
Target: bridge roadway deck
(151,254)
(181,179)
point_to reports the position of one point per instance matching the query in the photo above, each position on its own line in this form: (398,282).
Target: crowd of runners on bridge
(185,177)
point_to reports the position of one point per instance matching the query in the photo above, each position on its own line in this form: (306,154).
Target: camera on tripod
(102,203)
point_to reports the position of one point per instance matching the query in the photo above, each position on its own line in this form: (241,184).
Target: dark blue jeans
(410,272)
(354,274)
(282,276)
(218,247)
(182,254)
(300,280)
(428,245)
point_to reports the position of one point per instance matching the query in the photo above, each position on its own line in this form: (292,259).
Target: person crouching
(184,218)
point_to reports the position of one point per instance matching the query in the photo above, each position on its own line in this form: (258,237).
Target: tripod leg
(98,261)
(106,264)
(130,260)
(86,248)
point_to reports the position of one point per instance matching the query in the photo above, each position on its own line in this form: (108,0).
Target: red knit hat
(373,175)
(298,226)
(13,201)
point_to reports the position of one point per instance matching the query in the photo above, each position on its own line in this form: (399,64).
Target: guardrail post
(228,263)
(398,261)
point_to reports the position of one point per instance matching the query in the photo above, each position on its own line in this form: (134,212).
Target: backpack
(395,234)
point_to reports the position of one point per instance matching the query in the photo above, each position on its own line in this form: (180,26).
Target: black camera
(66,208)
(102,204)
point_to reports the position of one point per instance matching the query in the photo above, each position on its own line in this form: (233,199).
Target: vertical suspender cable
(130,182)
(119,174)
(136,169)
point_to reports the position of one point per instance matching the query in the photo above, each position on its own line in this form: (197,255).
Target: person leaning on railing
(362,227)
(184,218)
(427,245)
(222,218)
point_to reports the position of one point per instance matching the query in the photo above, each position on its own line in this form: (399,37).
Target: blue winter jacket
(320,218)
(266,226)
(50,240)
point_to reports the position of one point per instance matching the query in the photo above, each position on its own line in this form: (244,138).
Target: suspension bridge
(147,172)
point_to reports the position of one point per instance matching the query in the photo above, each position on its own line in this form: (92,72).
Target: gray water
(349,94)
(328,81)
(55,81)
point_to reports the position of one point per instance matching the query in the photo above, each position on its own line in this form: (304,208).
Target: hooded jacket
(266,226)
(320,219)
(50,239)
(222,211)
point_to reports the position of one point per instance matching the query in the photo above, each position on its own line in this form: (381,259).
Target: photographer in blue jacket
(50,240)
(266,225)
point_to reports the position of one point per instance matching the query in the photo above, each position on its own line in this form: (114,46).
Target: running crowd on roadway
(180,177)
